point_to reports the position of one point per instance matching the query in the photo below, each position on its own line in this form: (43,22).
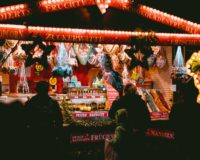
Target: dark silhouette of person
(123,140)
(13,130)
(45,122)
(138,116)
(184,119)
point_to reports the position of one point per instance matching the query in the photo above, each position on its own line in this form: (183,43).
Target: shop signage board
(90,114)
(159,116)
(100,137)
(88,138)
(151,132)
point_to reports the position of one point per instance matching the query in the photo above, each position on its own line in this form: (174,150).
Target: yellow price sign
(52,81)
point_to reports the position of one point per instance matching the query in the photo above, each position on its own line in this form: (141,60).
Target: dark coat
(184,119)
(138,114)
(44,112)
(45,126)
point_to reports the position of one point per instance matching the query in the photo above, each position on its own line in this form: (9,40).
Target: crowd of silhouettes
(33,130)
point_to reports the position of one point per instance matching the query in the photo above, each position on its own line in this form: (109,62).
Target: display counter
(85,112)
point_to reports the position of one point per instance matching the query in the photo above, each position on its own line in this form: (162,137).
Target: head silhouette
(42,87)
(189,91)
(130,89)
(121,116)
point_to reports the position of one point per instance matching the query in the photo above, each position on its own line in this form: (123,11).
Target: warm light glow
(194,62)
(168,19)
(97,36)
(103,5)
(14,11)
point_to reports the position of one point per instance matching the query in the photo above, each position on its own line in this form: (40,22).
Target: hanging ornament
(19,56)
(110,76)
(71,59)
(160,62)
(83,52)
(7,63)
(53,81)
(156,49)
(135,76)
(23,84)
(3,55)
(125,74)
(38,68)
(151,60)
(93,59)
(178,69)
(103,5)
(100,54)
(62,69)
(8,66)
(37,52)
(122,55)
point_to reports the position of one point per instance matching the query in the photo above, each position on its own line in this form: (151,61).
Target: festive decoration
(110,76)
(52,81)
(151,60)
(39,67)
(193,69)
(156,49)
(2,56)
(83,52)
(122,55)
(167,19)
(22,32)
(160,62)
(21,10)
(88,122)
(6,50)
(59,5)
(40,53)
(7,62)
(14,11)
(19,56)
(71,59)
(141,47)
(23,84)
(178,69)
(135,76)
(62,69)
(103,5)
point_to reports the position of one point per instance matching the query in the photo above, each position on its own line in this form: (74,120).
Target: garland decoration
(87,122)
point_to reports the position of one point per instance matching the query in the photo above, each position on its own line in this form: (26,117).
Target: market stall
(87,68)
(86,78)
